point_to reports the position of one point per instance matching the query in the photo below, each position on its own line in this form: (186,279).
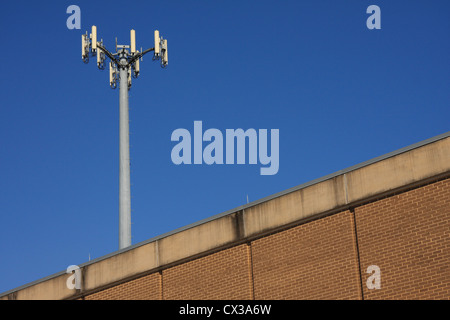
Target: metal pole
(121,63)
(124,175)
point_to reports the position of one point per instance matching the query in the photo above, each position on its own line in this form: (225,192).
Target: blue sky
(339,93)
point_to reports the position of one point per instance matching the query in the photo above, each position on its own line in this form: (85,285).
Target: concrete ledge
(295,206)
(334,192)
(51,289)
(403,169)
(202,238)
(120,266)
(349,188)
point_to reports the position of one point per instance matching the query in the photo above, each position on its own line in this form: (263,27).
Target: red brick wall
(144,288)
(221,275)
(316,260)
(406,235)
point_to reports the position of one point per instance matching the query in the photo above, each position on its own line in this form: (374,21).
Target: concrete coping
(336,191)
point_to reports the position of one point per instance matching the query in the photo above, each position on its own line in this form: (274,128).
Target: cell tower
(123,66)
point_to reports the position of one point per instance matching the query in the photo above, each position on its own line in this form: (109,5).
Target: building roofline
(242,207)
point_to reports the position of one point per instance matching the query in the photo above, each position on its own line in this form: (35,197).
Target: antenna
(133,41)
(85,48)
(112,75)
(123,66)
(164,53)
(94,39)
(136,67)
(101,57)
(157,51)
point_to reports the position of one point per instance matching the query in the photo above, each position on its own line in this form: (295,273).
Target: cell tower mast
(123,65)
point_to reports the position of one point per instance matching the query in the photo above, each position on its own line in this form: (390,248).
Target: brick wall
(144,288)
(221,275)
(316,260)
(406,235)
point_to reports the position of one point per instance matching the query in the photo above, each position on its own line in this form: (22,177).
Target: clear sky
(339,93)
